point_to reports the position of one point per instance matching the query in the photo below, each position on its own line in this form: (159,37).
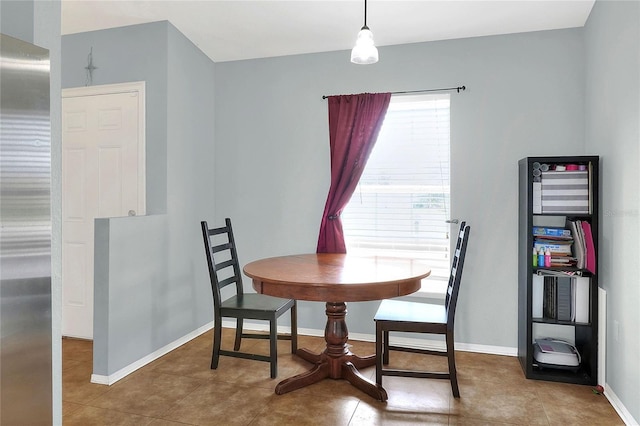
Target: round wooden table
(335,279)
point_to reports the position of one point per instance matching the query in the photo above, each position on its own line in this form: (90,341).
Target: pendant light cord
(365,14)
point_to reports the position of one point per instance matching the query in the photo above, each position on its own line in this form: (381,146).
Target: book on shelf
(563,299)
(542,231)
(558,273)
(579,243)
(590,256)
(549,301)
(553,247)
(563,261)
(537,296)
(580,299)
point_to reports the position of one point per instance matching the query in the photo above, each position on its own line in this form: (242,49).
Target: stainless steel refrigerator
(25,234)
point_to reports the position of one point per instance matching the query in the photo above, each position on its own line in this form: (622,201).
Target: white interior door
(102,176)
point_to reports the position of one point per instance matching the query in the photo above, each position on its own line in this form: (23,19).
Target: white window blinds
(401,203)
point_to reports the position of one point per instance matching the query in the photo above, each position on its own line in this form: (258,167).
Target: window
(401,204)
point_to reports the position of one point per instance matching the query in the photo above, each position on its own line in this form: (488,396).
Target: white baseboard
(123,372)
(617,405)
(409,342)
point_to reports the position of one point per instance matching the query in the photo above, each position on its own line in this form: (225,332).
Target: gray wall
(612,37)
(151,282)
(524,97)
(38,22)
(17,19)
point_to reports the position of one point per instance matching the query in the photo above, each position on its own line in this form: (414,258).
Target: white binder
(580,300)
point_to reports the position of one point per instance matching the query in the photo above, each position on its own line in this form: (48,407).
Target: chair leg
(273,347)
(385,351)
(217,337)
(379,352)
(236,344)
(451,356)
(294,327)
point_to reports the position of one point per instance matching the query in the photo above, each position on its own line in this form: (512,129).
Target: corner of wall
(101,296)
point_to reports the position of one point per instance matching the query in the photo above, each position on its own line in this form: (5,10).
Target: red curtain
(354,124)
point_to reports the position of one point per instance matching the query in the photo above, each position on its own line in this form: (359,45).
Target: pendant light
(364,52)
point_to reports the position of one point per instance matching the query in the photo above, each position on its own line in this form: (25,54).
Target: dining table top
(336,277)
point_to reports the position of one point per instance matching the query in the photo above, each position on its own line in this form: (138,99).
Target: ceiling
(242,29)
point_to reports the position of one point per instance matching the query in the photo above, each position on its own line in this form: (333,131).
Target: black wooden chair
(224,270)
(401,316)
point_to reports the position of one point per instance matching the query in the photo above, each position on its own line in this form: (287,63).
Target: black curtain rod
(458,89)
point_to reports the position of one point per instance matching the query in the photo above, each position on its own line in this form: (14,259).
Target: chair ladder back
(217,267)
(231,260)
(454,264)
(234,258)
(456,272)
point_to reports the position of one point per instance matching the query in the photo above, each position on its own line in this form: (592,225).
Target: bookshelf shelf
(560,269)
(581,272)
(555,321)
(535,210)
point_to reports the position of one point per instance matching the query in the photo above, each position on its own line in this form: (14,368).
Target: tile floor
(180,388)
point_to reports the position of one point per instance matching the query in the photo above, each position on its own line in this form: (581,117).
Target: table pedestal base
(336,362)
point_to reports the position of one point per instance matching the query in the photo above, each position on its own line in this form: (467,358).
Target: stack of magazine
(558,241)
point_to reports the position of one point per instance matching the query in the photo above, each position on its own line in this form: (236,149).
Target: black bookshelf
(529,327)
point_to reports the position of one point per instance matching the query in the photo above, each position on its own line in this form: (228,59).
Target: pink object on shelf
(572,167)
(591,252)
